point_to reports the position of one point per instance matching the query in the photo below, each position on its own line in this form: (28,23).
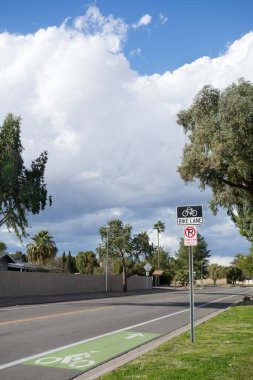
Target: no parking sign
(190,236)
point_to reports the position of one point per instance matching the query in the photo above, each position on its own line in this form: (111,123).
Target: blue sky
(189,28)
(99,84)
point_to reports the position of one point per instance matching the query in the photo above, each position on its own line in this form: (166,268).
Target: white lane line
(20,361)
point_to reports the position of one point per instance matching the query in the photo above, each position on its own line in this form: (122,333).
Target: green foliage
(43,249)
(141,248)
(128,255)
(86,262)
(219,154)
(245,264)
(166,262)
(22,191)
(215,272)
(70,264)
(234,274)
(200,257)
(63,260)
(244,221)
(138,268)
(119,244)
(181,277)
(3,246)
(159,227)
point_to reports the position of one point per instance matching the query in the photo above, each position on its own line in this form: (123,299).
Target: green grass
(223,351)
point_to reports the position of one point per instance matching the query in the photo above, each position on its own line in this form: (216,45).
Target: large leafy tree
(22,190)
(245,264)
(201,253)
(119,244)
(219,154)
(159,227)
(141,247)
(43,249)
(216,272)
(233,274)
(86,262)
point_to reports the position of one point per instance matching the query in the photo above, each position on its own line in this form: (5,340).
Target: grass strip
(223,350)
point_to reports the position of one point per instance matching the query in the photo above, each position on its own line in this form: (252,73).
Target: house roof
(157,272)
(6,257)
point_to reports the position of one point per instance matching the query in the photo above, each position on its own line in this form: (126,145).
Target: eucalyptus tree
(141,247)
(22,190)
(159,227)
(43,249)
(119,244)
(219,154)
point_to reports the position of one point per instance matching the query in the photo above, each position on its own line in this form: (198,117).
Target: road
(61,340)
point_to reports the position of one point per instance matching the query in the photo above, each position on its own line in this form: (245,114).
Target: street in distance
(189,215)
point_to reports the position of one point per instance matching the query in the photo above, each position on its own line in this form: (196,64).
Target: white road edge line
(20,361)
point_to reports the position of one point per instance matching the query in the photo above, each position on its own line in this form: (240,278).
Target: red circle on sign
(190,232)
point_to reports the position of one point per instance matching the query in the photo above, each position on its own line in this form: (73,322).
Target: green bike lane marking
(87,355)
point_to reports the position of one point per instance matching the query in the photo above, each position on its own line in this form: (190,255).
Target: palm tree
(43,248)
(160,227)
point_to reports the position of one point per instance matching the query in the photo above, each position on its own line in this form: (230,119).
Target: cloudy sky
(99,85)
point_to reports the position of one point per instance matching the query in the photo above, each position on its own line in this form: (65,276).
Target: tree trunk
(158,253)
(124,277)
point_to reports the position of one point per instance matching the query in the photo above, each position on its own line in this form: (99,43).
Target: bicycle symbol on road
(189,212)
(77,361)
(190,232)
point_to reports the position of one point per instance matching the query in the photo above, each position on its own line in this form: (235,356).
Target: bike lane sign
(190,236)
(189,215)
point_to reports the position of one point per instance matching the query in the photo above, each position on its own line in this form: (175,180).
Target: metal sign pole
(190,216)
(191,293)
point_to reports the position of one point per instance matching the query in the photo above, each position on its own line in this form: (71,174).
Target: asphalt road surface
(62,340)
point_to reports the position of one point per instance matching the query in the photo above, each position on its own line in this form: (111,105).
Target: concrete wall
(245,282)
(3,265)
(15,284)
(209,281)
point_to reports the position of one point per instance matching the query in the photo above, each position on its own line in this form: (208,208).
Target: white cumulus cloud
(111,133)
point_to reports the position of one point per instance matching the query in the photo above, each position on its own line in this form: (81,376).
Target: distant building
(5,260)
(7,263)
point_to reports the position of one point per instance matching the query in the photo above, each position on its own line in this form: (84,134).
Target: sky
(98,84)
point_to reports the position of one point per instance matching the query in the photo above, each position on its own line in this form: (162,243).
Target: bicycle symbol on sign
(76,361)
(189,212)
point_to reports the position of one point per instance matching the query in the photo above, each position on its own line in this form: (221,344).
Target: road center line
(57,315)
(19,361)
